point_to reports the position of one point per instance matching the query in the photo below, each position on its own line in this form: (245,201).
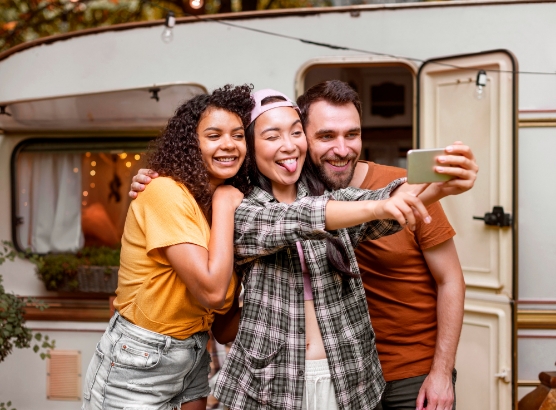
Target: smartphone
(420,166)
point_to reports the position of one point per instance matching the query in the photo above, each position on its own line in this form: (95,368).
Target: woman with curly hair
(176,265)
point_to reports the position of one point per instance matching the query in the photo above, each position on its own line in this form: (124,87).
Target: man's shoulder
(379,176)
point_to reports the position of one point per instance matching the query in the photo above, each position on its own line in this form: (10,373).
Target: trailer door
(452,106)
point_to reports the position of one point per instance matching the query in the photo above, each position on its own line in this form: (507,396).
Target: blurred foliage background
(22,21)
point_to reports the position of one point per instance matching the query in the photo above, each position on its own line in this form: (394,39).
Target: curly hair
(177,154)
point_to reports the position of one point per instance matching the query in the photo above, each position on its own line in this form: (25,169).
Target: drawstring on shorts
(315,392)
(315,371)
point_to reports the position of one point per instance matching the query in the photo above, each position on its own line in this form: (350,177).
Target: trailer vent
(63,377)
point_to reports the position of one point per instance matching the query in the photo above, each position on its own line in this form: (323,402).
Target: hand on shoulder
(138,182)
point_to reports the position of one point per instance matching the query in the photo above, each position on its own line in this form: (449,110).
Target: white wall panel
(536,204)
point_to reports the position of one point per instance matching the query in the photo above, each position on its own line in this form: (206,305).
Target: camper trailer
(78,109)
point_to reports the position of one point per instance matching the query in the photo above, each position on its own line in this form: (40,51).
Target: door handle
(504,375)
(496,218)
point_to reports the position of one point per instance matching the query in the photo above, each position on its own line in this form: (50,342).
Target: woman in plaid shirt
(305,339)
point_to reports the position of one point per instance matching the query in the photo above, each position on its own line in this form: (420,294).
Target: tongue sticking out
(290,166)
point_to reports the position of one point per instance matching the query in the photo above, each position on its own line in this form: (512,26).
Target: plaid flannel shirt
(266,365)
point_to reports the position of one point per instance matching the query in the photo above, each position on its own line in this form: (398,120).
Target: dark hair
(335,251)
(176,153)
(335,92)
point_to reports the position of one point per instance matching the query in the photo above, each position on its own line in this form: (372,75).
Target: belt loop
(167,345)
(201,340)
(113,320)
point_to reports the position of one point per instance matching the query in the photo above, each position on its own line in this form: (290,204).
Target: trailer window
(72,194)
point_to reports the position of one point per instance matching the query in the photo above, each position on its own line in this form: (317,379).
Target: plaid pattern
(266,364)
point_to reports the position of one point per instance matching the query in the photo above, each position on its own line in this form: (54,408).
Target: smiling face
(334,138)
(280,148)
(222,143)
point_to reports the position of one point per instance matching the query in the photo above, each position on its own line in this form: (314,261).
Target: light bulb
(481,83)
(479,92)
(167,35)
(169,23)
(196,4)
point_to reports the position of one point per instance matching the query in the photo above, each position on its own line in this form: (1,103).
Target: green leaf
(35,348)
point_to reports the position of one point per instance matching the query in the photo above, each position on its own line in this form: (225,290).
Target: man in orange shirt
(413,280)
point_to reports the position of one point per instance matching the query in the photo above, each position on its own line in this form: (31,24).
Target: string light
(336,47)
(93,173)
(137,157)
(168,34)
(481,83)
(196,4)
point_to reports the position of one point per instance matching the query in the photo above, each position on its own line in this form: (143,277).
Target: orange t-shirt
(150,294)
(401,291)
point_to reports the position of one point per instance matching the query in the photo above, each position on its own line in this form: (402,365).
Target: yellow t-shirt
(150,294)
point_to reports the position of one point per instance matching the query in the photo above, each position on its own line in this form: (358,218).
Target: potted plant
(91,270)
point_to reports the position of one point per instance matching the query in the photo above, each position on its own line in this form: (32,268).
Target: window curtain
(52,206)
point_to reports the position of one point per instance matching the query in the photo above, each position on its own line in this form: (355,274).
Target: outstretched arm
(459,162)
(264,228)
(444,265)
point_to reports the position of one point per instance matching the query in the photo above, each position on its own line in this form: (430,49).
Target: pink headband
(260,95)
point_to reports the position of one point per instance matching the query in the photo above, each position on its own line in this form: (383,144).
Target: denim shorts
(136,369)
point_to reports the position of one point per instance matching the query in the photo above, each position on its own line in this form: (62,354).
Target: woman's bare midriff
(313,336)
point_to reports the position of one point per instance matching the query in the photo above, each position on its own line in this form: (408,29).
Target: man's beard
(340,180)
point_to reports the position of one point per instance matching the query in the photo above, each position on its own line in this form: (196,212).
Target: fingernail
(148,179)
(439,169)
(428,220)
(441,159)
(449,148)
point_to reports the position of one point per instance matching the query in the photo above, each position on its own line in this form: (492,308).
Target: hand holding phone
(420,166)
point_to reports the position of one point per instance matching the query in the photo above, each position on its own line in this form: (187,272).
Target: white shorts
(319,391)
